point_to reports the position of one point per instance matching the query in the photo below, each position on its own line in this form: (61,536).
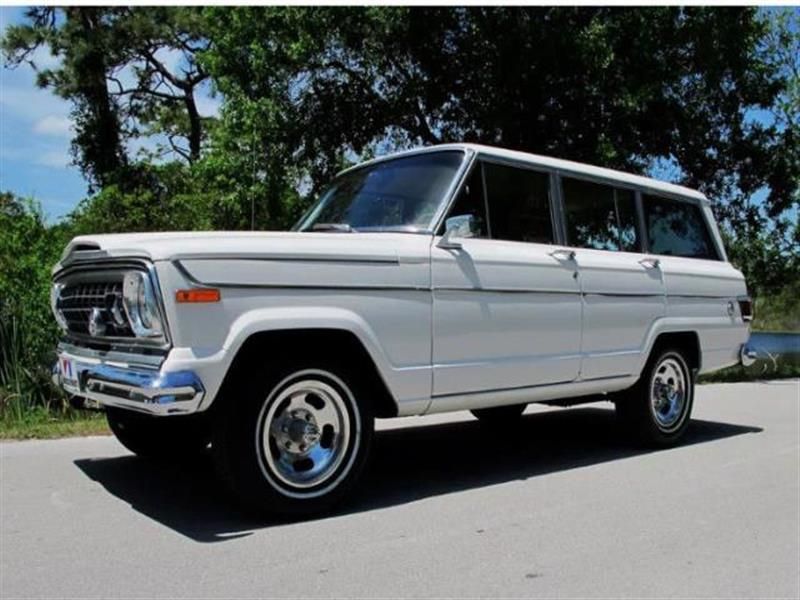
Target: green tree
(618,87)
(128,71)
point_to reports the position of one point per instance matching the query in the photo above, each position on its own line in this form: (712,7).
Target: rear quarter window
(677,228)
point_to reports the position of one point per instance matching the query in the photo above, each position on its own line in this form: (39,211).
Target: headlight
(140,305)
(55,296)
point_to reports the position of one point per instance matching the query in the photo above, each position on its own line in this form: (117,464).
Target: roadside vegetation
(306,91)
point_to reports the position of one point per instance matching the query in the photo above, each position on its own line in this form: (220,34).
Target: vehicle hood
(169,246)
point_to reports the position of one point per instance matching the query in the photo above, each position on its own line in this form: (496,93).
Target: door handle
(650,263)
(563,254)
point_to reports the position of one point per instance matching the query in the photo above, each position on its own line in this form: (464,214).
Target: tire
(163,438)
(656,411)
(499,415)
(295,440)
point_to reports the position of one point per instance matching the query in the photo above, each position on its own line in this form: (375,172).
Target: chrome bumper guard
(144,390)
(747,355)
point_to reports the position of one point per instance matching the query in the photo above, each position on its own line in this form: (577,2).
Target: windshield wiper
(339,227)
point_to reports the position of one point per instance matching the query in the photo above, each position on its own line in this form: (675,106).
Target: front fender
(410,387)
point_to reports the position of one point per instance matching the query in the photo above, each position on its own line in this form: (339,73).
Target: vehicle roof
(558,164)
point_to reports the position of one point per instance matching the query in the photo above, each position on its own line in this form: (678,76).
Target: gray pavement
(565,510)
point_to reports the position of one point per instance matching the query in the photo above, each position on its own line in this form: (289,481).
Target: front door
(506,304)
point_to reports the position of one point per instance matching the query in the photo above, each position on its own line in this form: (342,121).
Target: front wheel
(657,409)
(296,441)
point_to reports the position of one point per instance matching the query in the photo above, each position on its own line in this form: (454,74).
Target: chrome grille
(79,300)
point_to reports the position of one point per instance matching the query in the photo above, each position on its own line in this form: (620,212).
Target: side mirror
(460,226)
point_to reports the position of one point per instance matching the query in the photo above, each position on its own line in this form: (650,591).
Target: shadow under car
(407,464)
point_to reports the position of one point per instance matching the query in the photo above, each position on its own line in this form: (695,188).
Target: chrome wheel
(669,393)
(308,433)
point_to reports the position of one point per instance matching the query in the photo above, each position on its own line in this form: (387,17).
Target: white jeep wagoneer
(447,278)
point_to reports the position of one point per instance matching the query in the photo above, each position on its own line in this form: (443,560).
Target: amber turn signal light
(197,295)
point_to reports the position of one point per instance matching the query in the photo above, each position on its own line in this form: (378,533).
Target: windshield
(400,194)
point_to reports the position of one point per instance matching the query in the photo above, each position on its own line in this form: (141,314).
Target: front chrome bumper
(137,388)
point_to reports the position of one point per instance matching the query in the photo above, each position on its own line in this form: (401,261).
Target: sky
(35,133)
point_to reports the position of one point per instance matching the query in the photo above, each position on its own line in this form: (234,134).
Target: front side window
(519,204)
(599,216)
(401,194)
(677,228)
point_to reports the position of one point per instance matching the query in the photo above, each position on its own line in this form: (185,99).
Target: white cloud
(58,126)
(54,159)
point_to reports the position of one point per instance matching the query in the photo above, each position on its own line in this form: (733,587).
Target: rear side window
(519,204)
(599,216)
(677,228)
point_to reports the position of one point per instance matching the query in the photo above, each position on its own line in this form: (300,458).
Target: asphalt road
(563,509)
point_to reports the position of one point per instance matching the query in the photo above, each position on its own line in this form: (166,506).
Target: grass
(41,423)
(739,373)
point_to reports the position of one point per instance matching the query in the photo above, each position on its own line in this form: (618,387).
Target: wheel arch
(258,347)
(687,341)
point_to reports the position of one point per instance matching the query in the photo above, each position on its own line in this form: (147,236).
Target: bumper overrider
(138,388)
(747,355)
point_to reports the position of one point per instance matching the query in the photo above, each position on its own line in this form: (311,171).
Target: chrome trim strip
(505,290)
(314,286)
(295,286)
(527,387)
(290,258)
(625,294)
(705,296)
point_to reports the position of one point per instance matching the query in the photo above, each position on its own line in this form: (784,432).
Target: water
(775,350)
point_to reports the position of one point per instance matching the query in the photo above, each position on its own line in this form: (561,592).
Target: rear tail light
(746,307)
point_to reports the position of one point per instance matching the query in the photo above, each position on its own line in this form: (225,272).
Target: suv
(447,278)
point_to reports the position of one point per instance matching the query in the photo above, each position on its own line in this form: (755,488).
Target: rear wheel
(657,410)
(498,415)
(296,440)
(159,437)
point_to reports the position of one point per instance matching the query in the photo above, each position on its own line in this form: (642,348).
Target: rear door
(506,305)
(623,289)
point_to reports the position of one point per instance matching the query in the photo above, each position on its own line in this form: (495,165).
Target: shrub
(28,333)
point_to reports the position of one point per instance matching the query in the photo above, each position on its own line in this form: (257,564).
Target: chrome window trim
(479,165)
(120,265)
(640,223)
